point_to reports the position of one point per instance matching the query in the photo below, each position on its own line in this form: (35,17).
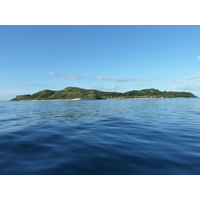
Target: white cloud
(118,79)
(126,79)
(189,87)
(198,57)
(177,82)
(112,79)
(110,88)
(193,77)
(97,87)
(73,77)
(54,74)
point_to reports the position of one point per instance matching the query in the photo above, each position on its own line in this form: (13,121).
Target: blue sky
(108,58)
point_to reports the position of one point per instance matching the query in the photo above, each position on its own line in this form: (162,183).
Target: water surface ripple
(109,137)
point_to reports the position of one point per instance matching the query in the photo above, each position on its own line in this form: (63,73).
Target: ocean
(100,137)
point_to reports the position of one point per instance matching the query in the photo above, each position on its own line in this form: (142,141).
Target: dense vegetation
(74,92)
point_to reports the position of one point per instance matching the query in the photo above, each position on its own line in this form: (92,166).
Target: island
(75,93)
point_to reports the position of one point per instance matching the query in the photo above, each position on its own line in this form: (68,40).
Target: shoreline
(79,99)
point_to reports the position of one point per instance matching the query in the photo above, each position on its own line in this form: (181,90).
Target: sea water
(100,137)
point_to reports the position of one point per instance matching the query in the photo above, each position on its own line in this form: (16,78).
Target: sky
(109,58)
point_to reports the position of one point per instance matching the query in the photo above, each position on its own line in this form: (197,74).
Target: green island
(75,93)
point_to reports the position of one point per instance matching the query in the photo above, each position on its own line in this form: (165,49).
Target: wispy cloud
(112,79)
(97,87)
(198,57)
(193,77)
(118,79)
(177,82)
(189,87)
(73,77)
(108,88)
(54,74)
(126,79)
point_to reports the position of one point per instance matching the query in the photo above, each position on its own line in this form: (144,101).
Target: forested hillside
(90,94)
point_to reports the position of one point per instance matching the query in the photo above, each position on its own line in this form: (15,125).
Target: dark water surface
(138,136)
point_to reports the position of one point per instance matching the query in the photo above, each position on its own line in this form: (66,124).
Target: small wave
(108,146)
(100,137)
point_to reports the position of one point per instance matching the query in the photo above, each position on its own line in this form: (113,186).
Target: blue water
(108,137)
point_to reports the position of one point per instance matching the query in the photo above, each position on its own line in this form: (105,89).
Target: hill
(91,94)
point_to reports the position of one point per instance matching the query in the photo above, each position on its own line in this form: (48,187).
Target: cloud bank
(176,82)
(118,79)
(193,77)
(189,87)
(110,88)
(54,74)
(111,79)
(74,77)
(126,79)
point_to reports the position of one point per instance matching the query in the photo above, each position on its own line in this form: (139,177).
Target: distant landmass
(75,93)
